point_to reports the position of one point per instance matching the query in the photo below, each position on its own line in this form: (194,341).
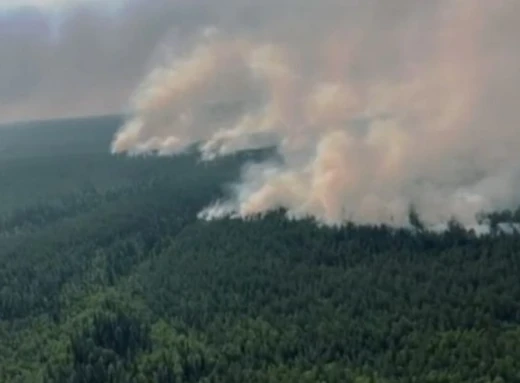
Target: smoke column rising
(374,106)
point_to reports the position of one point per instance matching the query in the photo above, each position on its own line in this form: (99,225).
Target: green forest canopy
(106,275)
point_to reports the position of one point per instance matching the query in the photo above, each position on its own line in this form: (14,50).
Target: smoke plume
(374,106)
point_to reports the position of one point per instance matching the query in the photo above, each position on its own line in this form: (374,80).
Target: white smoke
(374,108)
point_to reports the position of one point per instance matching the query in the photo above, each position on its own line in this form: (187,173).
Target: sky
(12,4)
(80,57)
(65,58)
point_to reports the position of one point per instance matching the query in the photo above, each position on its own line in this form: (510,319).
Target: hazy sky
(80,57)
(11,4)
(77,57)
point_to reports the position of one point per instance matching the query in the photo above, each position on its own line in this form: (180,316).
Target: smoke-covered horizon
(375,107)
(72,58)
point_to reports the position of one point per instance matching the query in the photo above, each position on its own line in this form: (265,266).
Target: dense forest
(106,275)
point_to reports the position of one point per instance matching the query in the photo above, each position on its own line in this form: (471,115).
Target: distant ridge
(44,121)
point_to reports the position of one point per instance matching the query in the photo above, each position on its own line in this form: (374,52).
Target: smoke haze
(374,105)
(65,58)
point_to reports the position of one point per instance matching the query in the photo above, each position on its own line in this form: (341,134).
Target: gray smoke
(374,105)
(62,58)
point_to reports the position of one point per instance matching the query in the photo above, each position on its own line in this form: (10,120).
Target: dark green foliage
(106,275)
(415,220)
